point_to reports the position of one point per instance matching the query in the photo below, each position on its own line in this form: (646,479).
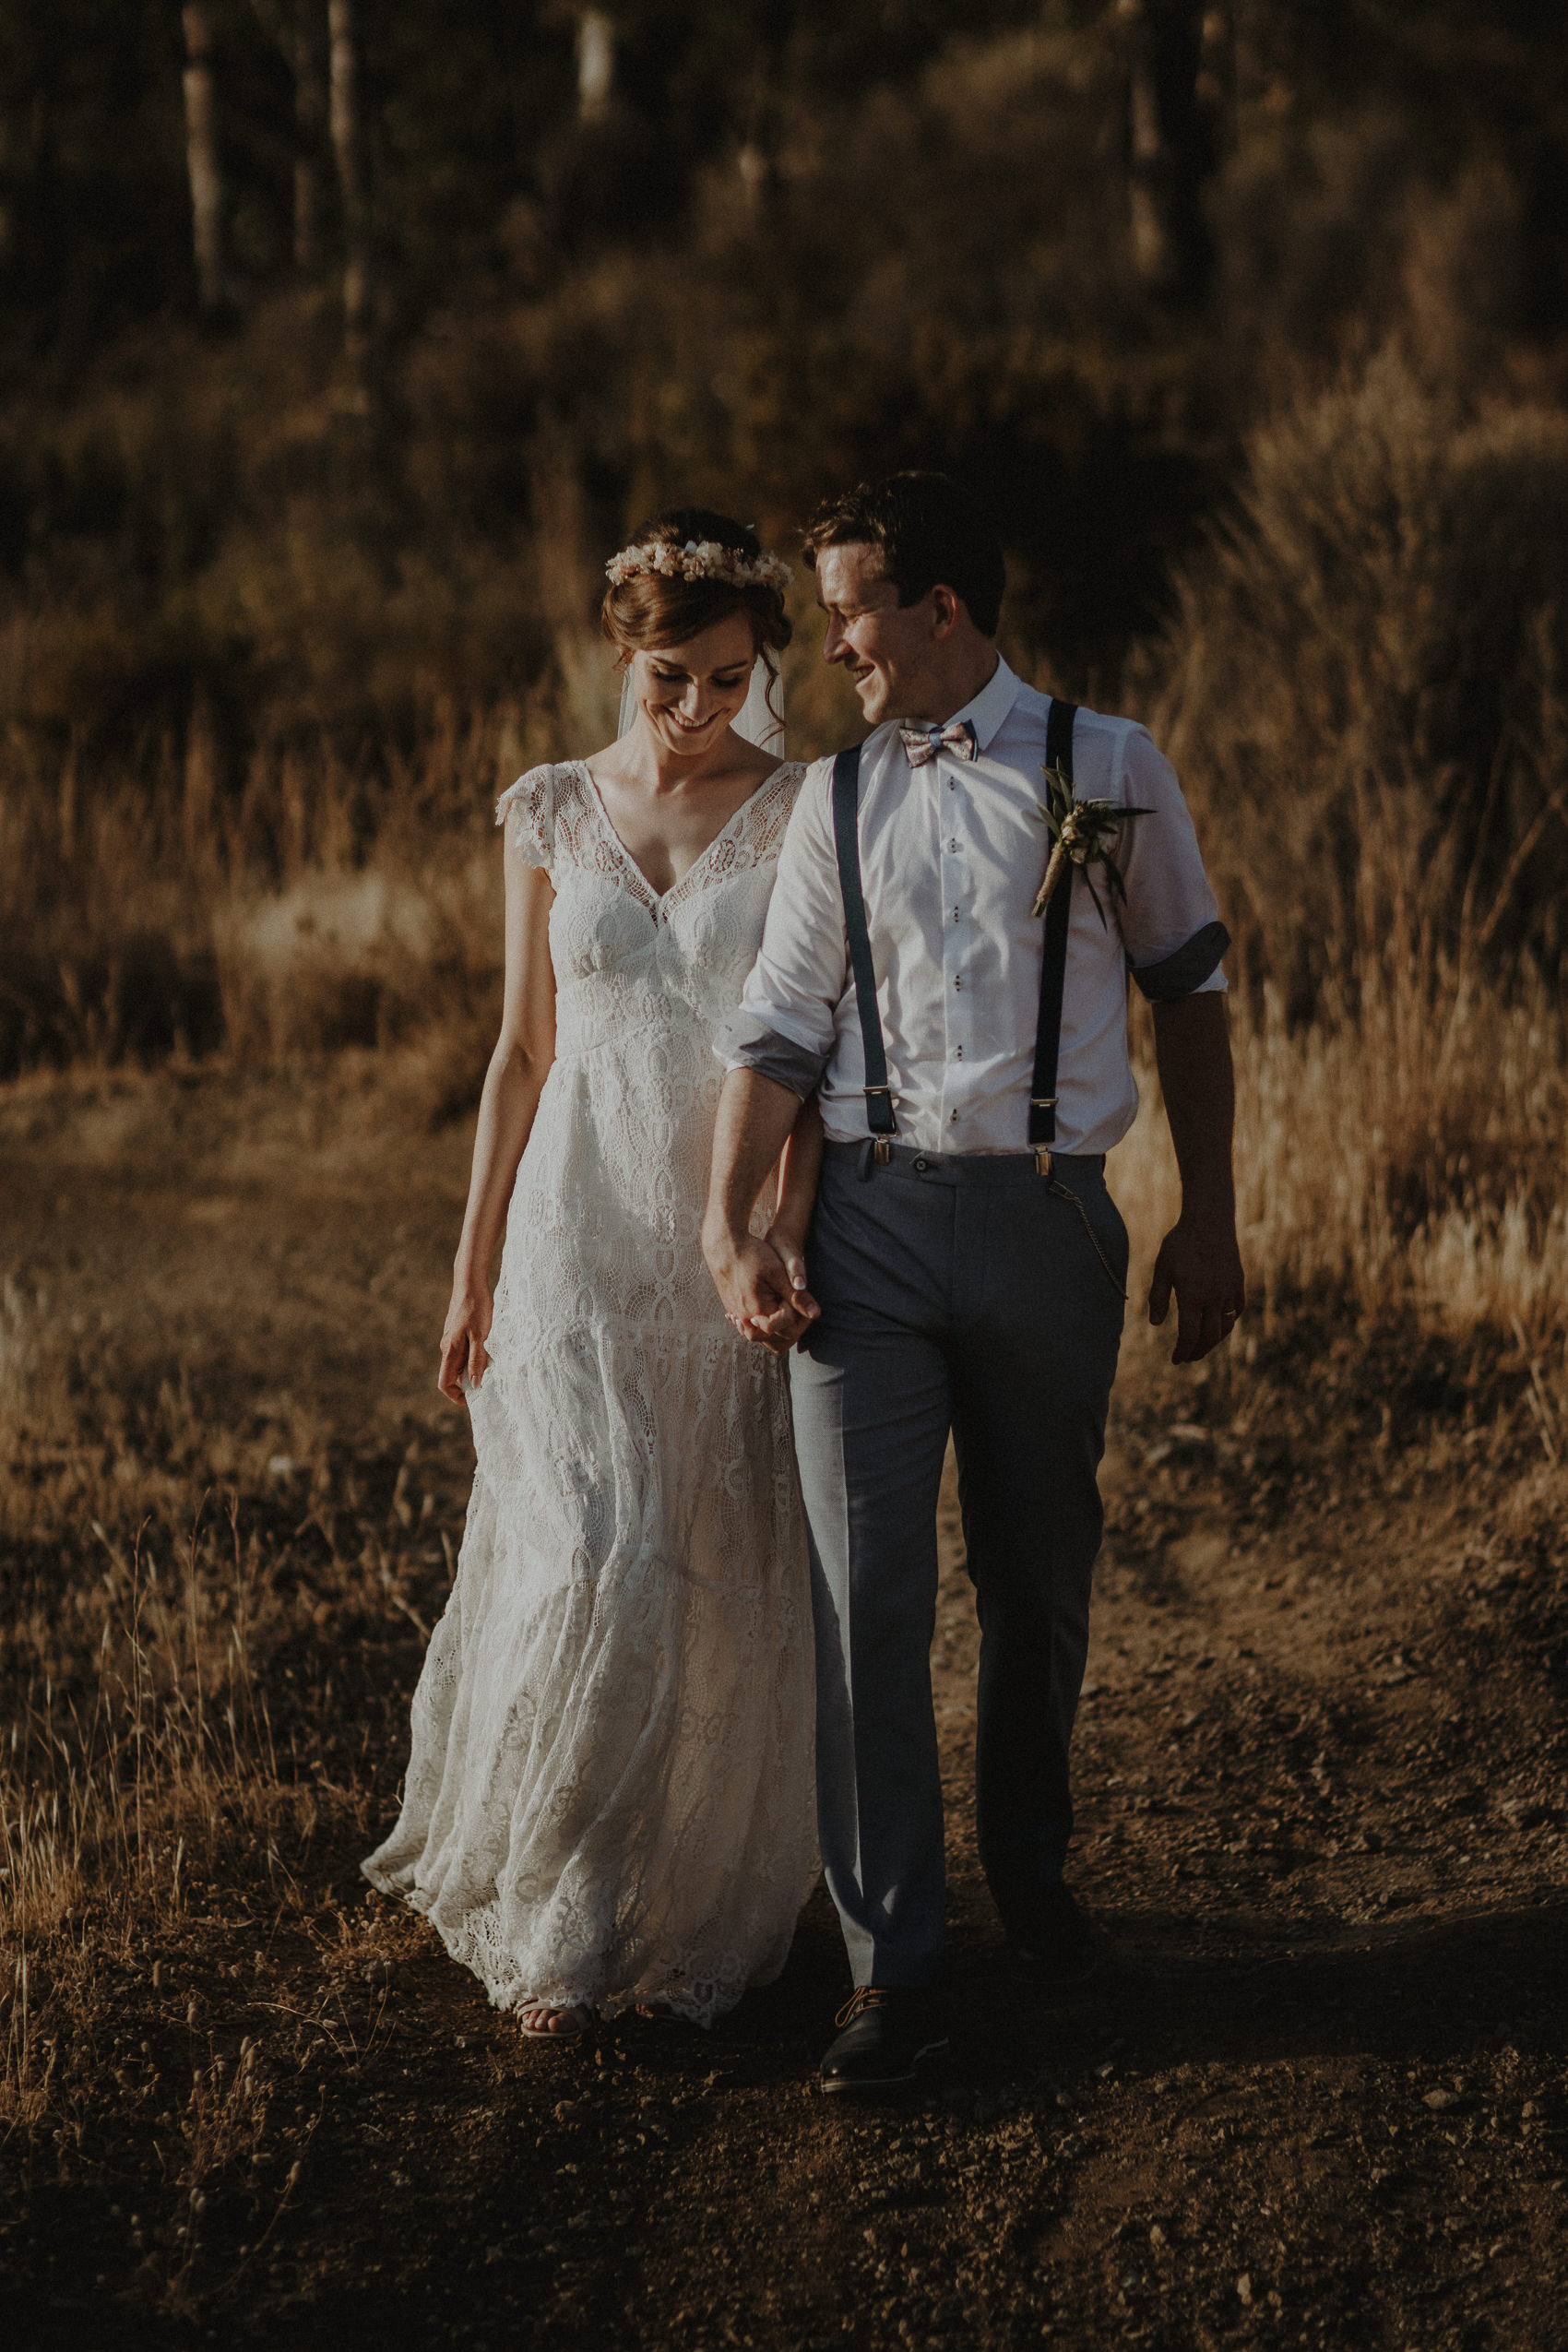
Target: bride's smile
(689,695)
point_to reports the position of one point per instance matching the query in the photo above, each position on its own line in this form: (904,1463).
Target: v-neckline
(659,899)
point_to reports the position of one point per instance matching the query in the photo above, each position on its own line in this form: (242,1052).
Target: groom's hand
(1200,1260)
(753,1283)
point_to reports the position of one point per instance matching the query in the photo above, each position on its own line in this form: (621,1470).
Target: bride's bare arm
(513,1085)
(799,1166)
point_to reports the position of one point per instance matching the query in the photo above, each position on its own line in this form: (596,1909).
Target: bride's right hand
(464,1358)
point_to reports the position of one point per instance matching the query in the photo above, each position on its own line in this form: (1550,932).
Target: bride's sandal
(542,2021)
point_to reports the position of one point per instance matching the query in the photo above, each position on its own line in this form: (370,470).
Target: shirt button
(952,1118)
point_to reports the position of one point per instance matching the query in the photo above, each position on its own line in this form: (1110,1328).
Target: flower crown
(700,559)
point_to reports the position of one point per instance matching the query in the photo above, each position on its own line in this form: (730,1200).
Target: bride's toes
(542,2021)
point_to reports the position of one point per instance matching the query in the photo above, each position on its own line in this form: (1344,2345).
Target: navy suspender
(1054,965)
(847,842)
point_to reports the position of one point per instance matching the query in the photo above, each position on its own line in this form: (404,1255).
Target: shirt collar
(987,710)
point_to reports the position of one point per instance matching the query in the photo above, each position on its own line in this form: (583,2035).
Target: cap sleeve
(528,810)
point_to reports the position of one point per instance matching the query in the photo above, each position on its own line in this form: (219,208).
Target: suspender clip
(882,1150)
(880,1119)
(1042,1160)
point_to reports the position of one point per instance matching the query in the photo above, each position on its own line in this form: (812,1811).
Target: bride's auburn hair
(648,609)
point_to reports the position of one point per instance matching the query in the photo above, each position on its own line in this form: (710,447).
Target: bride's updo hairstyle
(684,572)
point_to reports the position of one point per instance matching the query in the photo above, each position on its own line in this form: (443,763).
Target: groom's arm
(1174,940)
(775,1048)
(755,1115)
(1199,1258)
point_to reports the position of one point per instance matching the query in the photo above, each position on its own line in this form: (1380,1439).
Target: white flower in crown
(700,559)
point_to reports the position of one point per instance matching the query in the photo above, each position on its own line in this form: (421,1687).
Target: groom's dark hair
(932,534)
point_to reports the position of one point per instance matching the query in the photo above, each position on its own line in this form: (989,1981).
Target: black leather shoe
(1053,1936)
(883,2035)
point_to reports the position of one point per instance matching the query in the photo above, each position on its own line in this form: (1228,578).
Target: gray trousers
(962,1293)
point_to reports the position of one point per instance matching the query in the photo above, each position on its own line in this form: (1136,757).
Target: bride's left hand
(464,1358)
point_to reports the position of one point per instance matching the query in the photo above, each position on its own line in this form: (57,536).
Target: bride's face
(688,694)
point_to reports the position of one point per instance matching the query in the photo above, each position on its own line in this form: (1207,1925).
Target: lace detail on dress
(608,1794)
(531,803)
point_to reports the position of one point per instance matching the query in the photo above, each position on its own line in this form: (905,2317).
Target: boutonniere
(1084,831)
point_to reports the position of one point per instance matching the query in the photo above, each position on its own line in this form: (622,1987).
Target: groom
(968,1264)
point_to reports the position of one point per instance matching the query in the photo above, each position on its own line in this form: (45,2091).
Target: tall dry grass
(313,904)
(1401,1161)
(1364,690)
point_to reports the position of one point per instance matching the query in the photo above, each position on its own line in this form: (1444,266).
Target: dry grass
(1361,691)
(216,1593)
(199,1614)
(1401,1162)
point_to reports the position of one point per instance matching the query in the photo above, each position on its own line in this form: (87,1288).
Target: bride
(608,1799)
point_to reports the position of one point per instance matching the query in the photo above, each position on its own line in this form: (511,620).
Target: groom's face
(886,647)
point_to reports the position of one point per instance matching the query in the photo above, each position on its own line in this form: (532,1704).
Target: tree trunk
(201,159)
(1151,253)
(291,25)
(345,120)
(595,63)
(310,121)
(1170,143)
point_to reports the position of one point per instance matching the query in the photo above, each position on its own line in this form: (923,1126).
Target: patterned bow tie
(923,742)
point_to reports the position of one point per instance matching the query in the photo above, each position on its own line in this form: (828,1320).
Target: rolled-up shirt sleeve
(785,1025)
(1170,924)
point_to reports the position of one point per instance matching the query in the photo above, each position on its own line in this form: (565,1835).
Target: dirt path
(1318,2095)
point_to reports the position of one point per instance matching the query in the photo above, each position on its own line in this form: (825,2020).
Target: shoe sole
(834,2085)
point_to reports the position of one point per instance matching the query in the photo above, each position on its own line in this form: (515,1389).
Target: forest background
(340,346)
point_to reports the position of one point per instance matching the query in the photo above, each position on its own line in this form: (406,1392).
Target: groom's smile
(887,648)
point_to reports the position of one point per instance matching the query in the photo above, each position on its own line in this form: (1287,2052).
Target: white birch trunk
(1151,246)
(595,63)
(345,123)
(201,159)
(310,121)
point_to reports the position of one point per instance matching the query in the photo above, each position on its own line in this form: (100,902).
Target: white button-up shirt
(952,856)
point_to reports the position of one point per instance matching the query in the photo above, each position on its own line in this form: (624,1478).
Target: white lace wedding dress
(608,1796)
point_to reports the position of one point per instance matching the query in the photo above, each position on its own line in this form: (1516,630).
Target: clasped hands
(762,1282)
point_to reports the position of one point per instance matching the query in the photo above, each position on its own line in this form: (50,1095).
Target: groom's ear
(947,608)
